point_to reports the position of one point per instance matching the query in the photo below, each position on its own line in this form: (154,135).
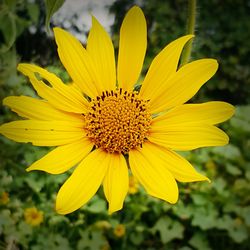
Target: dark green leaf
(52,6)
(33,11)
(168,229)
(199,241)
(8,30)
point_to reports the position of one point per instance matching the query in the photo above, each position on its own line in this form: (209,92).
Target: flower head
(4,198)
(33,216)
(105,126)
(119,230)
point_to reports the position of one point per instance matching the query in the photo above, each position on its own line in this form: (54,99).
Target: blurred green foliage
(207,216)
(222,32)
(15,18)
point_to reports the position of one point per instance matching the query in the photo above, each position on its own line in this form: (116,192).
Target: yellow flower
(105,247)
(103,224)
(103,123)
(133,185)
(33,216)
(4,198)
(210,164)
(119,230)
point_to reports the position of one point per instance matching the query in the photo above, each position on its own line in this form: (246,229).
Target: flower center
(118,121)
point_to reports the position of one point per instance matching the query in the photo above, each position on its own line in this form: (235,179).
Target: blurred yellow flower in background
(210,165)
(106,247)
(4,198)
(33,216)
(119,230)
(103,224)
(106,125)
(133,185)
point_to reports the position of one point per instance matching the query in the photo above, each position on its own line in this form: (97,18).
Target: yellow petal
(100,48)
(116,182)
(43,133)
(207,113)
(35,109)
(180,168)
(132,48)
(77,62)
(163,66)
(183,85)
(60,95)
(154,176)
(63,157)
(188,137)
(83,183)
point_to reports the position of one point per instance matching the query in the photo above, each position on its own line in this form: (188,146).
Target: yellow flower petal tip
(172,199)
(64,209)
(113,210)
(201,177)
(230,110)
(211,64)
(110,212)
(95,22)
(29,169)
(135,10)
(22,67)
(106,128)
(57,30)
(61,209)
(60,33)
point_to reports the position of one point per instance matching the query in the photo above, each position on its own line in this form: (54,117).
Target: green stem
(190,30)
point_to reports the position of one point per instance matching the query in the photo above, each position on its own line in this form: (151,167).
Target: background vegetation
(207,216)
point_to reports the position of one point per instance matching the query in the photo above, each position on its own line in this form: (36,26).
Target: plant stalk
(190,30)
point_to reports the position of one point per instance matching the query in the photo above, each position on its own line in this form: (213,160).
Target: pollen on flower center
(118,121)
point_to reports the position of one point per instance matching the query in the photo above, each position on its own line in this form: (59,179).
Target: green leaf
(52,6)
(225,222)
(246,215)
(96,205)
(136,238)
(247,174)
(24,229)
(168,229)
(219,184)
(8,30)
(35,182)
(33,11)
(238,233)
(21,25)
(185,248)
(229,152)
(205,218)
(241,119)
(11,3)
(199,199)
(53,241)
(182,210)
(233,170)
(199,241)
(91,240)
